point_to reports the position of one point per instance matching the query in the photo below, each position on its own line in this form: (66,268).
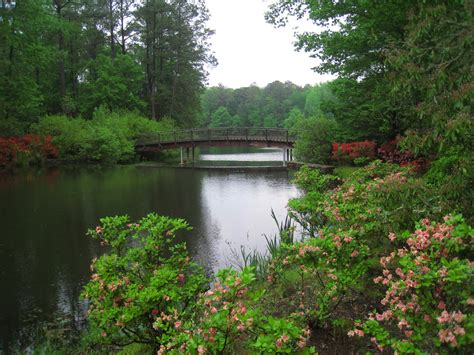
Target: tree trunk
(111,28)
(61,73)
(122,26)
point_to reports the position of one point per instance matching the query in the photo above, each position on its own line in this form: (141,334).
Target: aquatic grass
(260,261)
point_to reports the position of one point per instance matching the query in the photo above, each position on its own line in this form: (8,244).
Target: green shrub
(108,138)
(146,285)
(314,138)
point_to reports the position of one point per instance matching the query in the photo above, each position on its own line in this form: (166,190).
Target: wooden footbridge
(197,137)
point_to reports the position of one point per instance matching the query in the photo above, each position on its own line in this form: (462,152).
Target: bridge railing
(216,134)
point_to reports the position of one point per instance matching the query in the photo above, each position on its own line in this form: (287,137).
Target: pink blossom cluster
(305,248)
(387,183)
(452,323)
(405,299)
(227,297)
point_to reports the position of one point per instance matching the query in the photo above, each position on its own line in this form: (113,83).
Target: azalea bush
(348,225)
(145,285)
(391,152)
(328,267)
(368,201)
(146,290)
(230,319)
(27,149)
(348,152)
(429,300)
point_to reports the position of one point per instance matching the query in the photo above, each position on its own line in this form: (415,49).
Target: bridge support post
(181,154)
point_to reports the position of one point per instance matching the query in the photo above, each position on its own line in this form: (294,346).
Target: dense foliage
(404,68)
(106,138)
(70,57)
(147,290)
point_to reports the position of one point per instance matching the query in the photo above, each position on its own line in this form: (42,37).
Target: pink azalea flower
(459,331)
(403,323)
(278,343)
(458,316)
(444,317)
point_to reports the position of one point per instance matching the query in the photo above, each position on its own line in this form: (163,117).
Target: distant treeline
(271,106)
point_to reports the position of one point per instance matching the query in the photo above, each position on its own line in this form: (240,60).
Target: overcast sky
(249,50)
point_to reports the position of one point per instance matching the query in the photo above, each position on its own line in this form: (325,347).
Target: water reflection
(45,255)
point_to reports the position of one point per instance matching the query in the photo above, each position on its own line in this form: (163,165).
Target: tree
(221,118)
(174,36)
(70,57)
(319,98)
(354,45)
(25,57)
(314,138)
(116,84)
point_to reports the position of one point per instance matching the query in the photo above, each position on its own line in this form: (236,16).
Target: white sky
(249,50)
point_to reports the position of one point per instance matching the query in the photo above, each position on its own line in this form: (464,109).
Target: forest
(71,57)
(384,262)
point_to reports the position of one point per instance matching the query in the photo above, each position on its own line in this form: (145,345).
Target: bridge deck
(272,137)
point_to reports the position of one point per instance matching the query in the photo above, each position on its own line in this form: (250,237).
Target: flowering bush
(146,290)
(328,266)
(27,149)
(390,152)
(231,320)
(430,290)
(146,286)
(369,201)
(346,227)
(354,150)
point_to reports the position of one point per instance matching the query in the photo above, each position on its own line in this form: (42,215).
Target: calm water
(45,255)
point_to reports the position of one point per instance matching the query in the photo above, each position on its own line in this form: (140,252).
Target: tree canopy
(71,57)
